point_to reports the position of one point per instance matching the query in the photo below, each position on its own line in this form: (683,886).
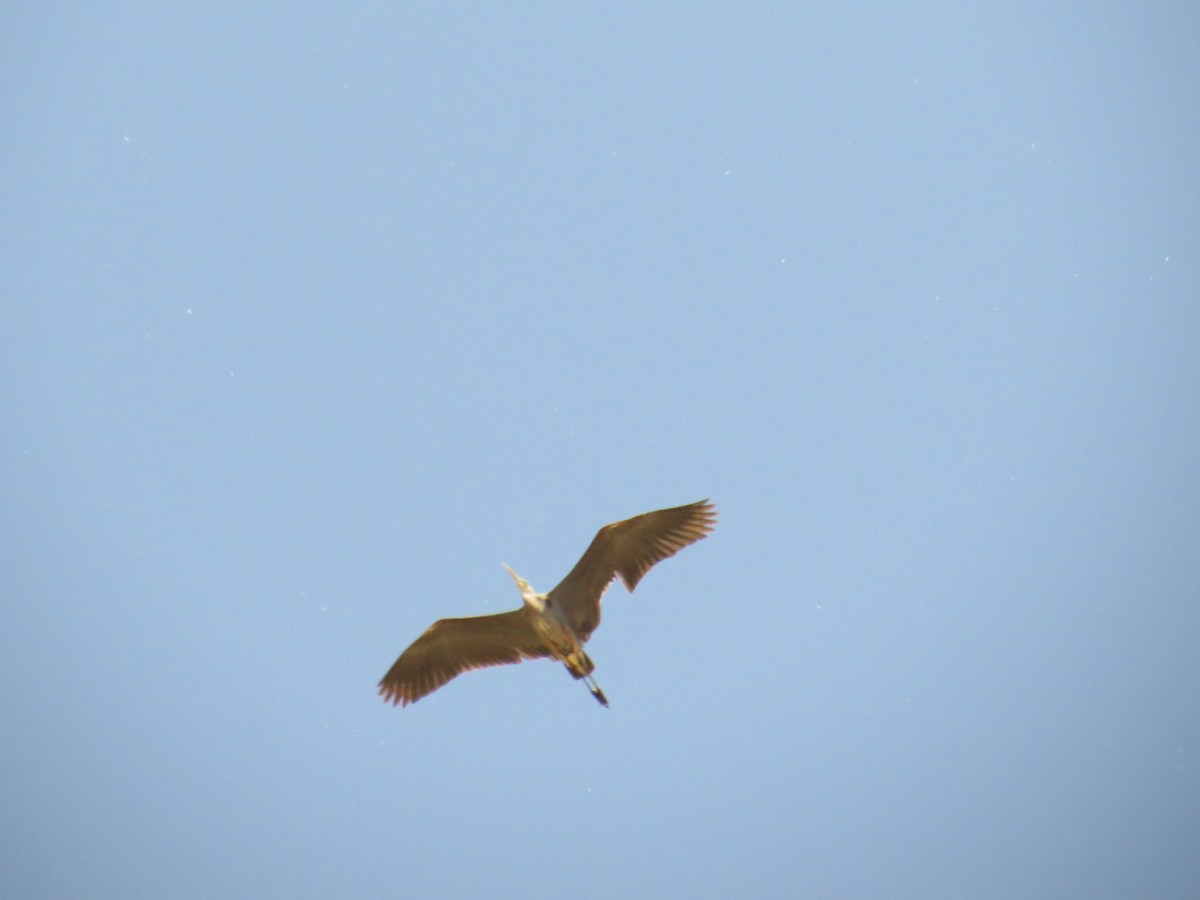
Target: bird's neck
(537,602)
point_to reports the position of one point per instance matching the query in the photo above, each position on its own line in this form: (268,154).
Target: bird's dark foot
(595,689)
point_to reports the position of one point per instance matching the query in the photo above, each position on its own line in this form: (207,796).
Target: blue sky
(313,316)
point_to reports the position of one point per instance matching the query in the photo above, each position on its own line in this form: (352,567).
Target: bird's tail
(579,664)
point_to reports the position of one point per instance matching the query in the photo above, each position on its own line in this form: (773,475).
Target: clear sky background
(315,314)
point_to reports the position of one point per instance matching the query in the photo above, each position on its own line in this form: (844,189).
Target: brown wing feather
(629,549)
(450,647)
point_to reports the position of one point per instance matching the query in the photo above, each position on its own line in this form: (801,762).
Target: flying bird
(556,624)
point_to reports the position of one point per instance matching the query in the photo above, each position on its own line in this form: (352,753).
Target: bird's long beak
(515,576)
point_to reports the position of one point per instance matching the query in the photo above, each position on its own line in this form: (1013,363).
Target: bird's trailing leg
(595,689)
(566,647)
(585,675)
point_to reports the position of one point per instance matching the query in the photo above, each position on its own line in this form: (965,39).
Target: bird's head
(528,594)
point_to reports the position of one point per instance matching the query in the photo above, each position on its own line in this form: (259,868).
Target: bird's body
(556,624)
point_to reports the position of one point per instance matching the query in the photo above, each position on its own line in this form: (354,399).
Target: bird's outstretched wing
(450,647)
(629,549)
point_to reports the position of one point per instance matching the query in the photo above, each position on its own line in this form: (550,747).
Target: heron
(556,624)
